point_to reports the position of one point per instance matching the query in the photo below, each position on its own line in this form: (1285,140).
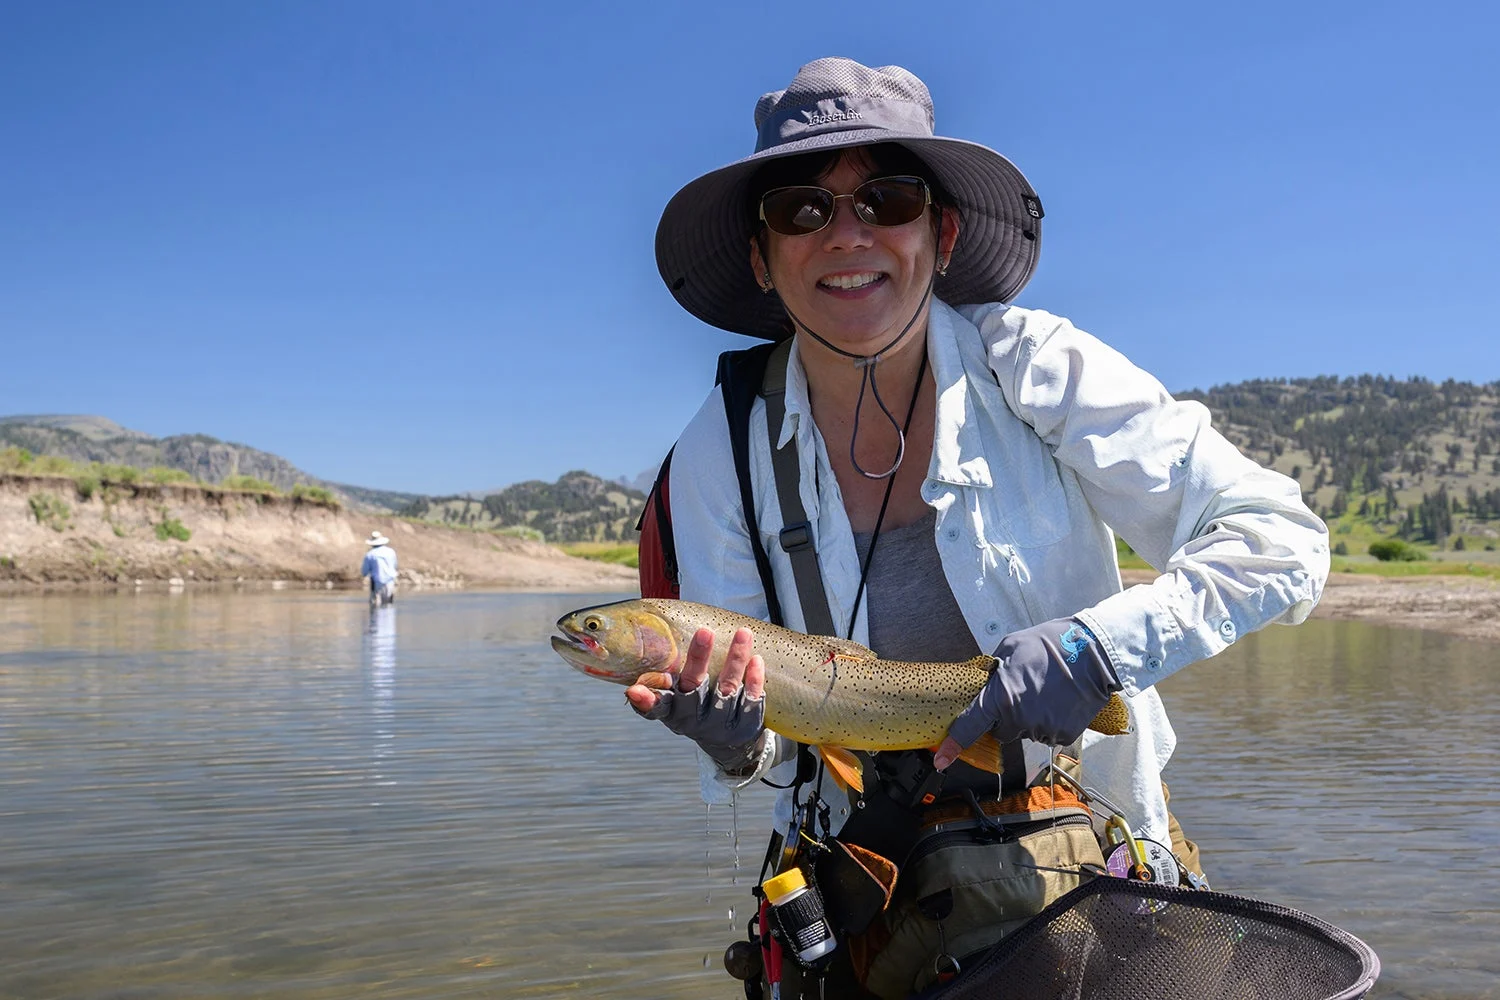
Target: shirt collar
(954,348)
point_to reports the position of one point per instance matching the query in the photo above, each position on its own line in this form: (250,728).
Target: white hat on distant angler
(376,538)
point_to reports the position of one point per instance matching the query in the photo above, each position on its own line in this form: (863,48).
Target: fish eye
(592,624)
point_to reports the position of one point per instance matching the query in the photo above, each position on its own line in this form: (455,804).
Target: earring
(942,268)
(765,282)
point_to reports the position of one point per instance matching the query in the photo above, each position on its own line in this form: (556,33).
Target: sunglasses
(804,209)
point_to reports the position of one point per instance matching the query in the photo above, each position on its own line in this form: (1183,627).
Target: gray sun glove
(1048,683)
(727,728)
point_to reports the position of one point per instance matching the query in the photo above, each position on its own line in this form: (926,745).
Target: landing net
(1112,939)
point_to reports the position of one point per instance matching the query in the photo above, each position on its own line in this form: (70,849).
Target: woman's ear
(759,266)
(947,233)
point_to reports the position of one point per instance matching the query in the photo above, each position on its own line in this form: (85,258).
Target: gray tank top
(913,615)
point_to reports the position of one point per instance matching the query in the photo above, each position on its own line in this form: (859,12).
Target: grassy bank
(608,552)
(96,477)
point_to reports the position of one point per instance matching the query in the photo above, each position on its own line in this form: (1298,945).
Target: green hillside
(1378,457)
(579,507)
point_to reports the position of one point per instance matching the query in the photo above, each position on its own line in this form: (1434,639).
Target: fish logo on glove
(1074,641)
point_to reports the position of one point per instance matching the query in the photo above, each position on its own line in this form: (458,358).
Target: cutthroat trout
(821,690)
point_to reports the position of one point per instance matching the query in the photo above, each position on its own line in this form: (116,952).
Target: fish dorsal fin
(844,766)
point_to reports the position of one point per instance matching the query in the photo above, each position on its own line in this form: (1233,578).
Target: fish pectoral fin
(983,754)
(657,680)
(844,767)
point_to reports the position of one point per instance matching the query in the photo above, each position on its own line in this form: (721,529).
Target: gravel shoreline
(1459,605)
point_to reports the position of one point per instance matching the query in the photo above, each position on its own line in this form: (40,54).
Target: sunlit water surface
(279,795)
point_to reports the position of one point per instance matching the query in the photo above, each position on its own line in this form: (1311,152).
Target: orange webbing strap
(1035,803)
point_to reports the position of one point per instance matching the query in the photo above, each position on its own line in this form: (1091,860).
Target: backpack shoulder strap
(743,376)
(796,535)
(739,379)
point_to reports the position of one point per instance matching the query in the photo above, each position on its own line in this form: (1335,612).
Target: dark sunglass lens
(797,211)
(891,201)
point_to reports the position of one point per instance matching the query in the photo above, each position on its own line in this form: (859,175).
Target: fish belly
(863,713)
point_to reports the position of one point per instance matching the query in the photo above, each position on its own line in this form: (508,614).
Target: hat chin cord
(866,363)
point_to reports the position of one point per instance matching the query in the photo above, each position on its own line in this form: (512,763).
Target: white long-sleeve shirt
(379,565)
(1045,440)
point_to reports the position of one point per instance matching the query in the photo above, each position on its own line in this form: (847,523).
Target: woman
(964,466)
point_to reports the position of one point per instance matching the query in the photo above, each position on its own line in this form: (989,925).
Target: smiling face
(852,283)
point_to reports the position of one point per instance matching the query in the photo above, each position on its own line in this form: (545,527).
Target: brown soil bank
(52,536)
(1460,605)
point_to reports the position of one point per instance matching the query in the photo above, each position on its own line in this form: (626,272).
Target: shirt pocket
(1028,502)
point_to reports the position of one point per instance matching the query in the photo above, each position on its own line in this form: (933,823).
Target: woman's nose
(846,229)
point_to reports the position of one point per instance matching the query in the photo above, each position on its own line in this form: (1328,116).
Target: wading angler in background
(916,465)
(380,566)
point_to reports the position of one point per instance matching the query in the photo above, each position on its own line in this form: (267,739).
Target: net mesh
(1112,939)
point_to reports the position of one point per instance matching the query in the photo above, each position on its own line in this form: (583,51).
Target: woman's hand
(725,718)
(1048,683)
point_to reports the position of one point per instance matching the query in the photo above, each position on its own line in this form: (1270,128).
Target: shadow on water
(293,795)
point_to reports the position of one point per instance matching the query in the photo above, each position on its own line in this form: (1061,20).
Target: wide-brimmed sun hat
(376,538)
(703,239)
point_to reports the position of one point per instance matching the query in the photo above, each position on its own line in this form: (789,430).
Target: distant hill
(98,439)
(579,507)
(1375,455)
(1408,457)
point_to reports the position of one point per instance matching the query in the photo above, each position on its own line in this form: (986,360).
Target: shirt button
(1153,663)
(993,628)
(1226,629)
(952,534)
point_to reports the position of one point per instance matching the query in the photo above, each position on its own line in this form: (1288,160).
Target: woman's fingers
(741,666)
(736,661)
(946,753)
(755,678)
(641,698)
(696,666)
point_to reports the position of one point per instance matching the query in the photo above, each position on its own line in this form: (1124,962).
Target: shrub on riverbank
(1395,550)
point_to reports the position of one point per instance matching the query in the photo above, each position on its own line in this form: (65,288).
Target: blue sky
(409,245)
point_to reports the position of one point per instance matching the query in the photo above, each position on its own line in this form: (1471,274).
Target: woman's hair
(886,159)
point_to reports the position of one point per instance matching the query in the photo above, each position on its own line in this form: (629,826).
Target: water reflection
(205,794)
(380,668)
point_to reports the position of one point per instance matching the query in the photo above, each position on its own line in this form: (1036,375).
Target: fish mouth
(585,654)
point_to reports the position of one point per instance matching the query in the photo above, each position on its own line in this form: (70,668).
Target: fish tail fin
(984,754)
(1114,718)
(844,766)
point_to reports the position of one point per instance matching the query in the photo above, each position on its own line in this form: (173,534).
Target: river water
(277,794)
